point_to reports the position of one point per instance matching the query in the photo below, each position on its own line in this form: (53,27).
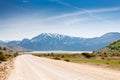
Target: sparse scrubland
(93,58)
(6,62)
(6,55)
(108,56)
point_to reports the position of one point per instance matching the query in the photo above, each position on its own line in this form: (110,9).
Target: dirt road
(28,67)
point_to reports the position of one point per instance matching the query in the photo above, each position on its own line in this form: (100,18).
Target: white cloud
(84,11)
(77,13)
(78,23)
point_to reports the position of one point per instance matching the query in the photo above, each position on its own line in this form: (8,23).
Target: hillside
(13,48)
(115,45)
(112,51)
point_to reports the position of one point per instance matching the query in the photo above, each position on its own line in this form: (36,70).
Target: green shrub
(62,56)
(67,60)
(3,56)
(87,55)
(107,62)
(57,58)
(16,54)
(102,58)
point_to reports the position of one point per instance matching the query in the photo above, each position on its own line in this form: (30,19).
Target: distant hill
(48,41)
(13,48)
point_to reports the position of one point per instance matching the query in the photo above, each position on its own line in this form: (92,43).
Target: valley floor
(28,67)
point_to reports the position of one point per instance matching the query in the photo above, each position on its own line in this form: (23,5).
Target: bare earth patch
(5,68)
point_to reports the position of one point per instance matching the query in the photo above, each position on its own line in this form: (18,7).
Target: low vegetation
(5,55)
(115,45)
(93,58)
(6,61)
(108,56)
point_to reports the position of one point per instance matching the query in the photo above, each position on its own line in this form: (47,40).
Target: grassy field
(87,58)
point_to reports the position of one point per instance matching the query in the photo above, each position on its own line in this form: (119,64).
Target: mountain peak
(51,34)
(44,36)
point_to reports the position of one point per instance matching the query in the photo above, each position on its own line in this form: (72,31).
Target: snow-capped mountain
(47,35)
(49,41)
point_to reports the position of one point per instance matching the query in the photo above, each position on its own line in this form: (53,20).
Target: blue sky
(83,18)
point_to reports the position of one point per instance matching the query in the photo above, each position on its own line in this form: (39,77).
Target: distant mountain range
(48,41)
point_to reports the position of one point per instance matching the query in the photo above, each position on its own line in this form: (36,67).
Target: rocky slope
(13,48)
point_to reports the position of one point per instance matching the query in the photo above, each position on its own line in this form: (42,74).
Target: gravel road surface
(28,67)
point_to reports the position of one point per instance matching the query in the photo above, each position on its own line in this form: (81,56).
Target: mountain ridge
(50,41)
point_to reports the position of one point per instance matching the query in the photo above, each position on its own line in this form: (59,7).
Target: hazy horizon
(84,18)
